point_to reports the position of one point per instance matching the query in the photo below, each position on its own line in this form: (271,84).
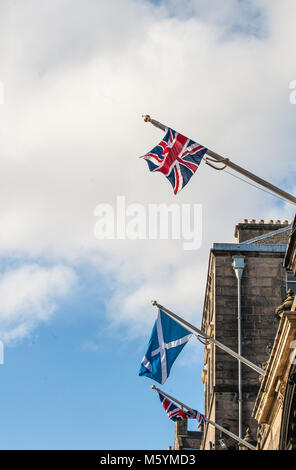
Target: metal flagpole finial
(153,387)
(154,302)
(146,117)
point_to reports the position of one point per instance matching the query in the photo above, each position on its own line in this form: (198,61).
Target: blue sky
(73,385)
(75,311)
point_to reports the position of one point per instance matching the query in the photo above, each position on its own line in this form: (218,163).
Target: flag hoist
(178,158)
(169,335)
(197,332)
(193,414)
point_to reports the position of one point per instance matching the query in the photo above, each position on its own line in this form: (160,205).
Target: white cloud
(28,296)
(78,75)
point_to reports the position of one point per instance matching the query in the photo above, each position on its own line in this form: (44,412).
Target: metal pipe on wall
(238,265)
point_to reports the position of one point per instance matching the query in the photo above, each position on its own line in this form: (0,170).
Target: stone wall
(263,289)
(247,230)
(185,439)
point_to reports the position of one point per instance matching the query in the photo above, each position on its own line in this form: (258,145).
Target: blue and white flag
(167,340)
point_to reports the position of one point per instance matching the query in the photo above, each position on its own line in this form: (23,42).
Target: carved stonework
(280,389)
(261,433)
(248,438)
(281,395)
(263,366)
(286,305)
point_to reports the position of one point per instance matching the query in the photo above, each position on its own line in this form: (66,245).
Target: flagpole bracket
(225,161)
(202,341)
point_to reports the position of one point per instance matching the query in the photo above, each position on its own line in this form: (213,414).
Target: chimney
(250,229)
(180,431)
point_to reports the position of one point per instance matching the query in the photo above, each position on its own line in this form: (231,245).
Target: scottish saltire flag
(177,157)
(177,414)
(167,340)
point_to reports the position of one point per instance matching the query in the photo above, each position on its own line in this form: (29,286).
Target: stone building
(185,439)
(262,247)
(275,407)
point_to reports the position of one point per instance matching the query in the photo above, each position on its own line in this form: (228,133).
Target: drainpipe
(238,264)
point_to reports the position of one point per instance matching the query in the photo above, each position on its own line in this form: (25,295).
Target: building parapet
(245,247)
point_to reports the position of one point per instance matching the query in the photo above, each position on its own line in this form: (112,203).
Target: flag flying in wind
(177,414)
(177,157)
(167,340)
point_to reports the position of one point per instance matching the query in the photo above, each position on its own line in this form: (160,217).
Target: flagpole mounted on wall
(207,420)
(174,399)
(215,157)
(198,333)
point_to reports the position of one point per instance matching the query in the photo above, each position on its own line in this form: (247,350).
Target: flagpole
(213,340)
(174,399)
(220,428)
(235,167)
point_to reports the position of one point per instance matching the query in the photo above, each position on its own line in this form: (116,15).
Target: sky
(75,310)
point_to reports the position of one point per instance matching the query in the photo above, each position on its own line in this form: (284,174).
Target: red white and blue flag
(177,414)
(177,157)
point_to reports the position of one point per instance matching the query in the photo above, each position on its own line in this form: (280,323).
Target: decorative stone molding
(275,379)
(204,375)
(280,388)
(262,431)
(286,305)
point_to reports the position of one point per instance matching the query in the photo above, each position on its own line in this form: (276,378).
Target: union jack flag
(177,157)
(177,414)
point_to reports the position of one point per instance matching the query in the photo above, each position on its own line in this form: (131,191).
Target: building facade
(262,247)
(275,407)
